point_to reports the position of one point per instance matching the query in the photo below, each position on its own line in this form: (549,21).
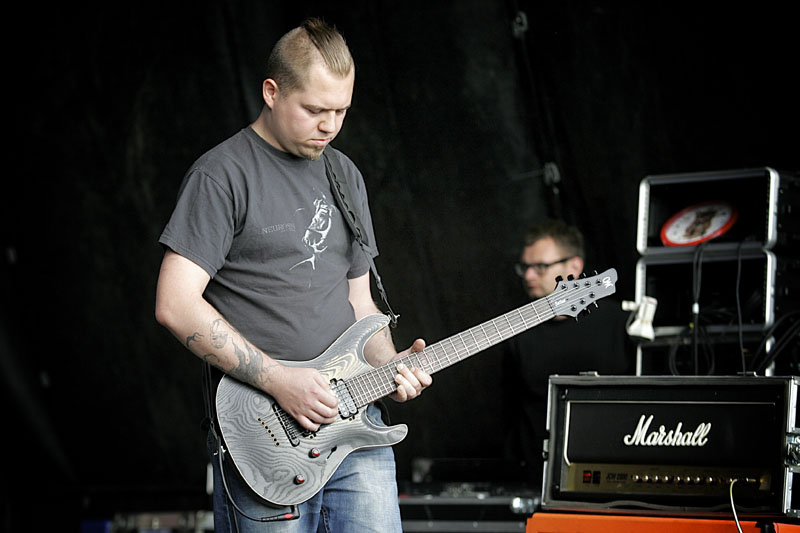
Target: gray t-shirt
(265,226)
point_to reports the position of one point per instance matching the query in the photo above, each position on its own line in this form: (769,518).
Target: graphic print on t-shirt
(316,234)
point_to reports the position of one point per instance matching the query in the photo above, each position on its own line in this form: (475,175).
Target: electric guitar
(286,464)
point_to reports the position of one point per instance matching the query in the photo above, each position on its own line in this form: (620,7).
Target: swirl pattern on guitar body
(272,462)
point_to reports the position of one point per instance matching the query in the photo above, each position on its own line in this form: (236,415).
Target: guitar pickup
(290,426)
(347,406)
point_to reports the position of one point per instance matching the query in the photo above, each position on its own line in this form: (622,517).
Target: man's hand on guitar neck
(410,381)
(380,349)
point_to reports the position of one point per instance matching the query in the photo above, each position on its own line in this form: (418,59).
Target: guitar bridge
(347,406)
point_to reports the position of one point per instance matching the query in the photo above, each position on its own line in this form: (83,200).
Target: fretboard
(378,383)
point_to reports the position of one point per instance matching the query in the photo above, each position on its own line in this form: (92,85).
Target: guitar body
(273,453)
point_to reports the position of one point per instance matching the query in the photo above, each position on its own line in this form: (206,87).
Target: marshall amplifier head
(672,445)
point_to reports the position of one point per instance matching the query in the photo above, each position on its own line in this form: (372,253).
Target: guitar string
(460,350)
(459,353)
(365,394)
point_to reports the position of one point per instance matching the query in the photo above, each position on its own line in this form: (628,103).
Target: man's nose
(328,122)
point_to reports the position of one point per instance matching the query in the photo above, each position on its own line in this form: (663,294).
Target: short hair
(295,52)
(568,238)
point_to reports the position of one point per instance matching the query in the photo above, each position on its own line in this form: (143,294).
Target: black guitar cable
(697,272)
(789,336)
(704,347)
(739,305)
(294,512)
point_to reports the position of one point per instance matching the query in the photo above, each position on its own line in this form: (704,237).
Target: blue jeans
(361,496)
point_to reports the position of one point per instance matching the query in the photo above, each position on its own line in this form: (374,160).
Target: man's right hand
(305,394)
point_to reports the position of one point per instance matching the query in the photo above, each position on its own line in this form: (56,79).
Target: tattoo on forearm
(212,358)
(194,337)
(219,337)
(251,364)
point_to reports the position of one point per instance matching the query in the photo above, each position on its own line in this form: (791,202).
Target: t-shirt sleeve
(202,225)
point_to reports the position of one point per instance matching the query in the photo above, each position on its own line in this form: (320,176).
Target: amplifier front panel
(668,444)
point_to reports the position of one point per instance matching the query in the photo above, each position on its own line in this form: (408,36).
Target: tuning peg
(595,272)
(570,277)
(583,275)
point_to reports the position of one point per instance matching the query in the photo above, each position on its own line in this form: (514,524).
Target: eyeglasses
(540,268)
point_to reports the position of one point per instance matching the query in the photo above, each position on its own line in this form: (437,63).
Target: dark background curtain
(459,107)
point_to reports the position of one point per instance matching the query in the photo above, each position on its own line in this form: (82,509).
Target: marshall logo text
(662,437)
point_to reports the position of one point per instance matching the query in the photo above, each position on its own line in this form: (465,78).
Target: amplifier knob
(646,478)
(666,479)
(698,480)
(679,480)
(710,480)
(636,478)
(657,479)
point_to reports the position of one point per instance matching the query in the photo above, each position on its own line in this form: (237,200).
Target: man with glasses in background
(563,346)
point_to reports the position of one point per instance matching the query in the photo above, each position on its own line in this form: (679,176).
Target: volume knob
(299,479)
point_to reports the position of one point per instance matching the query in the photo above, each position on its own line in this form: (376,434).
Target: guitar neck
(378,383)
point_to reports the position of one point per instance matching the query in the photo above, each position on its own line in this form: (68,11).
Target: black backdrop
(458,107)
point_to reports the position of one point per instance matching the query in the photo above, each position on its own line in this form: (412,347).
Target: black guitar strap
(341,190)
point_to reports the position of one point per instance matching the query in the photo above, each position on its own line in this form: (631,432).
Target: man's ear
(575,266)
(269,92)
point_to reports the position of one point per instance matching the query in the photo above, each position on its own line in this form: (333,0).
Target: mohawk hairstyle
(295,53)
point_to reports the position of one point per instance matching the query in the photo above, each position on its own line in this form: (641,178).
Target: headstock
(573,296)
